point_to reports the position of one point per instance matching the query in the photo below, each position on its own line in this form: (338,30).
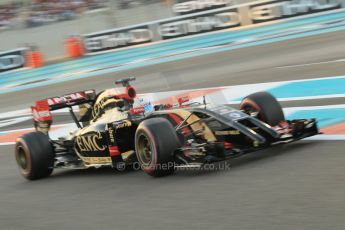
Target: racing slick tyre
(155,142)
(34,155)
(268,108)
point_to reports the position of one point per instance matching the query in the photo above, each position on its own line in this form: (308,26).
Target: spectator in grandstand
(7,13)
(48,11)
(125,4)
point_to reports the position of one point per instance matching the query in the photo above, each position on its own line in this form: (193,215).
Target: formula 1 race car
(113,132)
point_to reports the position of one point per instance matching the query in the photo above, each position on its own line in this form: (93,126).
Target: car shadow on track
(219,167)
(265,156)
(91,172)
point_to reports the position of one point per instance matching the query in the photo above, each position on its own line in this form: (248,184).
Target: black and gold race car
(113,132)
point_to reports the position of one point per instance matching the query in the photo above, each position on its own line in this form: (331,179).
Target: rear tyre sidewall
(38,153)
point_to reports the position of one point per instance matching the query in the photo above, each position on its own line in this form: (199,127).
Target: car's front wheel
(34,155)
(265,105)
(155,143)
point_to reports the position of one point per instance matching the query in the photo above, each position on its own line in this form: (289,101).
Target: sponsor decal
(40,115)
(200,24)
(98,108)
(111,133)
(96,160)
(206,21)
(227,132)
(106,102)
(67,98)
(137,110)
(90,143)
(118,38)
(13,59)
(282,9)
(122,124)
(242,15)
(187,7)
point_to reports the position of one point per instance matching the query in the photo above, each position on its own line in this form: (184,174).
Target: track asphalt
(296,186)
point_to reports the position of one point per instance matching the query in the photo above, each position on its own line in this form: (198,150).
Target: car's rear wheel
(155,143)
(268,108)
(34,155)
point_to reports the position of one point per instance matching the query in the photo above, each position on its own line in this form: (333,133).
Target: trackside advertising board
(182,7)
(206,21)
(12,59)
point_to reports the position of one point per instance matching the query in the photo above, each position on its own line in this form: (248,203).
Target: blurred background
(46,23)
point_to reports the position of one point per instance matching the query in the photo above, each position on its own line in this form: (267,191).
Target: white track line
(15,113)
(7,143)
(301,98)
(26,129)
(27,112)
(310,64)
(290,110)
(12,121)
(15,130)
(326,138)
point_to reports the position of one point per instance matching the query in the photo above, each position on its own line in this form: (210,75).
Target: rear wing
(41,111)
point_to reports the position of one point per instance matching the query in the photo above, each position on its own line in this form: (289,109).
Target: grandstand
(47,23)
